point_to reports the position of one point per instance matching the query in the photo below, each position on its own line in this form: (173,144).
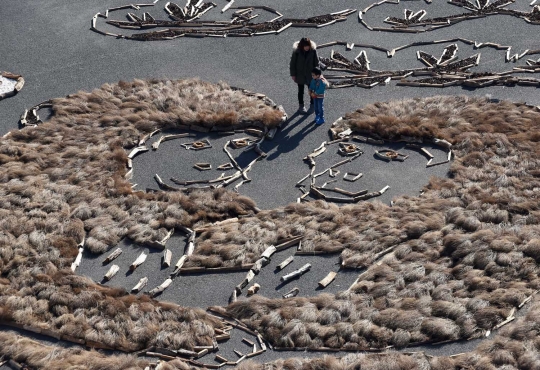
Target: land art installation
(457,262)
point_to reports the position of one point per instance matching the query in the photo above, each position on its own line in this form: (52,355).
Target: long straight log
(289,243)
(296,273)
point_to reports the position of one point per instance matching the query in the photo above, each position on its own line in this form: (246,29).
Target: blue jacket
(318,87)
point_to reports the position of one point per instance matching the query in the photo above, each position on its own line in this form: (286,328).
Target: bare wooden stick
(167,255)
(160,288)
(234,296)
(250,275)
(221,358)
(289,243)
(268,252)
(139,261)
(137,150)
(179,265)
(141,284)
(328,279)
(113,255)
(261,342)
(78,260)
(283,264)
(112,271)
(296,273)
(292,293)
(529,298)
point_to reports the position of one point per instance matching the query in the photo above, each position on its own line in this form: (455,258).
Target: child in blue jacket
(317,87)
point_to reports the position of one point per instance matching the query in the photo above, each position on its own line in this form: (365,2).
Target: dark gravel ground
(51,45)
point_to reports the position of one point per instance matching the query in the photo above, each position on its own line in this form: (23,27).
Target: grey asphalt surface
(50,44)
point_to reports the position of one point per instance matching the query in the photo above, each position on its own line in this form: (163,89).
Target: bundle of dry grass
(451,262)
(40,356)
(62,184)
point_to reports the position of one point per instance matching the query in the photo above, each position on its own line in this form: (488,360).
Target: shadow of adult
(287,142)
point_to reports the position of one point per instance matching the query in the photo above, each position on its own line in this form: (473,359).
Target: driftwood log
(160,288)
(112,271)
(253,289)
(283,264)
(179,265)
(167,256)
(328,279)
(140,285)
(250,275)
(139,261)
(113,255)
(296,273)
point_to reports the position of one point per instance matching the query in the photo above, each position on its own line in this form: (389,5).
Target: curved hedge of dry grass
(63,182)
(516,346)
(464,253)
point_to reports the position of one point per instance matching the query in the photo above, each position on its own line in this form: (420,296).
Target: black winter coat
(302,63)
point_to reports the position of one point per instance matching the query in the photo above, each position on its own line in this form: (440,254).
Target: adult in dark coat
(304,58)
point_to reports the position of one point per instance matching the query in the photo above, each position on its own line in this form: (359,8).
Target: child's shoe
(319,121)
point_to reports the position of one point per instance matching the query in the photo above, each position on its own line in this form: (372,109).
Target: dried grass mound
(451,263)
(516,346)
(40,356)
(62,184)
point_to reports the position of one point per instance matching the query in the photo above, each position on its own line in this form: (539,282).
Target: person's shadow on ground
(288,143)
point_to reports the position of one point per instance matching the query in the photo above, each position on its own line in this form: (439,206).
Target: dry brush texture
(515,347)
(40,356)
(463,253)
(63,182)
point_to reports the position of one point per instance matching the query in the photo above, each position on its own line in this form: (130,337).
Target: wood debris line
(163,138)
(351,176)
(202,166)
(185,21)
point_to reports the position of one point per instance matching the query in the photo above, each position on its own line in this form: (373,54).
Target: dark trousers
(301,95)
(319,109)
